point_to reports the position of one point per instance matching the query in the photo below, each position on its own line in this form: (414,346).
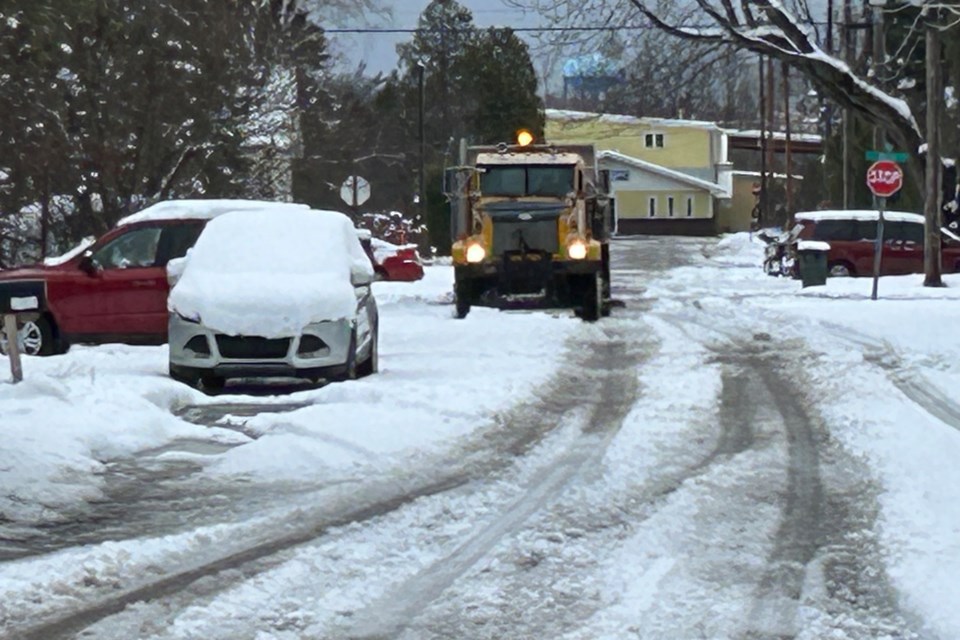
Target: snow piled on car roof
(203,209)
(271,273)
(858,214)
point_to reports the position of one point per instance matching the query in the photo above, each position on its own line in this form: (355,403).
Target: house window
(653,141)
(689,206)
(670,206)
(619,175)
(653,207)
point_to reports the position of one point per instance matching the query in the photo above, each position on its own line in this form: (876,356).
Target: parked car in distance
(852,235)
(114,289)
(274,293)
(392,262)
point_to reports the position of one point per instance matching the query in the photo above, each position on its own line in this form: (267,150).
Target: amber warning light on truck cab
(524,137)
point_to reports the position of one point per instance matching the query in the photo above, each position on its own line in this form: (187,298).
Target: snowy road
(694,466)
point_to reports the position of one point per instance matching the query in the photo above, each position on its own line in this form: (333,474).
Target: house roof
(685,178)
(613,118)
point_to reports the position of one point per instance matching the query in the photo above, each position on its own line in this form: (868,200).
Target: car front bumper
(320,350)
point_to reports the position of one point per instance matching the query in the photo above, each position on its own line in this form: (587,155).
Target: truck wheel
(462,301)
(593,298)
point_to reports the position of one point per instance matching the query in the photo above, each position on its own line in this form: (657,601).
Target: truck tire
(592,298)
(461,300)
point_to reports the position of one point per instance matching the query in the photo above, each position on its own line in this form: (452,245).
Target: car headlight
(476,253)
(577,250)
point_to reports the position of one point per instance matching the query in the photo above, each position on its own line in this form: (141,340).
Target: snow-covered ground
(880,375)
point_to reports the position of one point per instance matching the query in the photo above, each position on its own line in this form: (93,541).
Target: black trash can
(812,260)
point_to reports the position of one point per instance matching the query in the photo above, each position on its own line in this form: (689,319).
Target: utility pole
(763,147)
(879,61)
(787,158)
(931,209)
(847,113)
(421,196)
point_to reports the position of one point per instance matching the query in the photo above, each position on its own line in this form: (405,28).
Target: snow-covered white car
(276,292)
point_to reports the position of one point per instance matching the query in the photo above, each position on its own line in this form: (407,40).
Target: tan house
(667,176)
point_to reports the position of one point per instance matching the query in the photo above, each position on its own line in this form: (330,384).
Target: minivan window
(834,230)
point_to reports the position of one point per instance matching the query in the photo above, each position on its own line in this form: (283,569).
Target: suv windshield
(526,180)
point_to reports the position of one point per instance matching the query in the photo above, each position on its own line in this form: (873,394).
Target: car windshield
(536,180)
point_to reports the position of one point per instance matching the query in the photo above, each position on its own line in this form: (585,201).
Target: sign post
(885,178)
(13,346)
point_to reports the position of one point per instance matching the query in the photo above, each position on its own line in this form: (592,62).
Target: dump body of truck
(531,226)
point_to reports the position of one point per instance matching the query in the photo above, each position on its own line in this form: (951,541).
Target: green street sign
(896,156)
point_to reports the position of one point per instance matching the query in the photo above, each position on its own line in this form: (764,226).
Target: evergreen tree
(503,88)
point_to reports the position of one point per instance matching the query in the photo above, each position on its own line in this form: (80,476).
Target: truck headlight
(476,253)
(577,250)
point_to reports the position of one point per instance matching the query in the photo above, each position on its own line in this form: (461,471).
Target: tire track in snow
(826,555)
(914,385)
(550,588)
(486,453)
(609,395)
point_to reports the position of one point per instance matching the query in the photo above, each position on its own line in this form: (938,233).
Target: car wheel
(212,384)
(180,375)
(372,364)
(593,298)
(350,370)
(35,337)
(839,270)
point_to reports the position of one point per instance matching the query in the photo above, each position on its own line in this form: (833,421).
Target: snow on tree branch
(767,27)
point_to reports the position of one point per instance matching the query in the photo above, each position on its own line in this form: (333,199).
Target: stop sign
(884,178)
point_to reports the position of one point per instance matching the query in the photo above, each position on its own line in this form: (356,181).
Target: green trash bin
(812,260)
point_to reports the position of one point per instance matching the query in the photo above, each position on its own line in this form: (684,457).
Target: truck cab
(531,227)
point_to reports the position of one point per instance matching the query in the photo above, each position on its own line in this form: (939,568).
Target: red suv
(852,234)
(115,290)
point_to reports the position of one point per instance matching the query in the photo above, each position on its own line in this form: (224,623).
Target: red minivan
(852,235)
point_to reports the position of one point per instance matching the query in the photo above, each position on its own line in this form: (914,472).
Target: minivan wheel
(35,337)
(840,270)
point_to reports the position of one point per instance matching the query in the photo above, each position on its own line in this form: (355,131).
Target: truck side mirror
(603,180)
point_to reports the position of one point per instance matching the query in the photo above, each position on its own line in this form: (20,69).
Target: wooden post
(931,250)
(845,164)
(13,347)
(787,157)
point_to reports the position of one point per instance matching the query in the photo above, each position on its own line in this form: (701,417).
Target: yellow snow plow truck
(530,225)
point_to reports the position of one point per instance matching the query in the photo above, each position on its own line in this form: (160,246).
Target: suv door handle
(143,283)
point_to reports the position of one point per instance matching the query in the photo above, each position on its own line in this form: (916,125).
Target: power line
(637,27)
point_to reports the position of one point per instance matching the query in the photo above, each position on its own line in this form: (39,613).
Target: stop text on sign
(884,178)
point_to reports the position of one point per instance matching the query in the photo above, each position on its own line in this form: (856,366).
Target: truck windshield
(526,180)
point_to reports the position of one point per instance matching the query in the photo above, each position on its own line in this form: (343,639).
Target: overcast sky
(378,50)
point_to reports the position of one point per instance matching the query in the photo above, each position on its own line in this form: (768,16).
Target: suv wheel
(35,337)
